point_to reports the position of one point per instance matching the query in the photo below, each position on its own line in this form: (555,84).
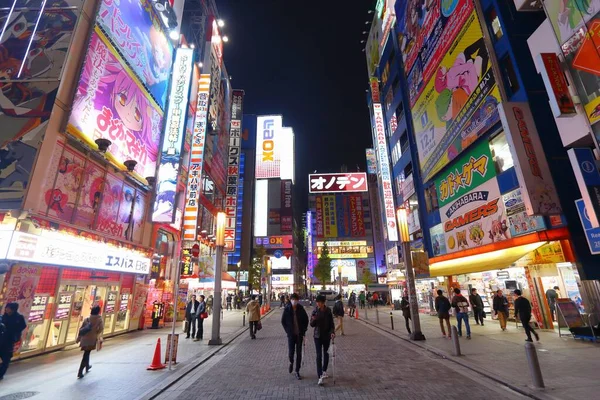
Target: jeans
(5,356)
(85,361)
(528,329)
(322,346)
(478,314)
(406,319)
(192,328)
(295,345)
(253,328)
(459,318)
(200,328)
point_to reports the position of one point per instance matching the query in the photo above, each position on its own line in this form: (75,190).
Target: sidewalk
(569,366)
(119,370)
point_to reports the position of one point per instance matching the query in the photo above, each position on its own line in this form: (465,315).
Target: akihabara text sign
(194,185)
(386,178)
(168,170)
(275,242)
(233,169)
(338,183)
(268,158)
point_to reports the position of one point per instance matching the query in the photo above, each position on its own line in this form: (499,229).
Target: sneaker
(324,375)
(468,336)
(537,337)
(320,383)
(291,368)
(529,340)
(297,375)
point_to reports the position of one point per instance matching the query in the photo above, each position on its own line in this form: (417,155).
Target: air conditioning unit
(528,5)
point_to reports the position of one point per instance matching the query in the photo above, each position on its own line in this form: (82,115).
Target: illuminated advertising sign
(386,176)
(338,183)
(286,147)
(268,150)
(233,169)
(348,249)
(371,161)
(286,206)
(287,279)
(458,104)
(275,242)
(309,244)
(568,17)
(375,95)
(168,170)
(539,193)
(561,102)
(348,270)
(319,216)
(519,222)
(388,20)
(135,30)
(111,103)
(343,243)
(261,207)
(194,184)
(329,217)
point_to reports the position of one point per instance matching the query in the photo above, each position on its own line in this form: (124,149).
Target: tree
(322,270)
(366,278)
(255,268)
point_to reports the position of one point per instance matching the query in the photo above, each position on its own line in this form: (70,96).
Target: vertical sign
(557,87)
(371,161)
(588,180)
(286,206)
(386,179)
(194,184)
(233,169)
(268,146)
(592,234)
(168,170)
(319,216)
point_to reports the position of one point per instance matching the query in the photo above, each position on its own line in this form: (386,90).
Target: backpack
(462,304)
(338,309)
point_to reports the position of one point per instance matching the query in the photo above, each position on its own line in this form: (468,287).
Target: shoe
(79,375)
(291,368)
(87,369)
(444,335)
(324,375)
(187,337)
(529,340)
(320,383)
(196,339)
(468,336)
(482,324)
(537,337)
(297,375)
(477,323)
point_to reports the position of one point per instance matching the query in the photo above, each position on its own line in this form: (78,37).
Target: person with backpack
(500,305)
(338,313)
(88,337)
(442,306)
(523,313)
(322,320)
(295,323)
(405,307)
(461,306)
(12,325)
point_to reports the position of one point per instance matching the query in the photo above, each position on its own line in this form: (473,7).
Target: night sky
(304,60)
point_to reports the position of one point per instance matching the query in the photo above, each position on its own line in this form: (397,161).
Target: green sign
(468,172)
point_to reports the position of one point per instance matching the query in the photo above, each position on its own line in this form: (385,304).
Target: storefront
(282,284)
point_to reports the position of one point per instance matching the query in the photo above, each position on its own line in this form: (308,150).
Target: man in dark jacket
(477,304)
(523,312)
(442,306)
(295,323)
(551,296)
(191,316)
(500,305)
(14,324)
(322,320)
(405,307)
(201,311)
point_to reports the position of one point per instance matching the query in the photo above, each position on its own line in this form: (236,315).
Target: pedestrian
(461,306)
(253,310)
(281,300)
(362,299)
(500,305)
(405,307)
(202,315)
(238,302)
(295,323)
(322,320)
(551,296)
(477,304)
(12,325)
(260,300)
(442,306)
(191,316)
(523,313)
(370,300)
(375,299)
(352,305)
(88,337)
(338,313)
(209,304)
(229,299)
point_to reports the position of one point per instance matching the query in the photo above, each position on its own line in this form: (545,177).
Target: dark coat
(322,321)
(442,306)
(188,309)
(500,304)
(522,309)
(14,325)
(405,307)
(287,319)
(476,301)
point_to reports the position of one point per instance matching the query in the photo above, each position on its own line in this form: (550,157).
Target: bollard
(244,319)
(391,319)
(222,316)
(455,342)
(534,366)
(377,312)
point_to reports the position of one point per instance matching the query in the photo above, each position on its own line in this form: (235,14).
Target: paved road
(369,364)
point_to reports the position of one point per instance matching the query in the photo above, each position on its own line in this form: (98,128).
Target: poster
(568,16)
(38,308)
(550,253)
(371,160)
(139,212)
(357,221)
(458,104)
(136,32)
(63,306)
(112,104)
(518,221)
(124,303)
(111,302)
(29,83)
(329,217)
(89,198)
(139,299)
(319,229)
(438,242)
(109,206)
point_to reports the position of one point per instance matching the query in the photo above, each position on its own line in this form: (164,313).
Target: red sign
(196,250)
(560,98)
(338,183)
(587,58)
(275,242)
(375,90)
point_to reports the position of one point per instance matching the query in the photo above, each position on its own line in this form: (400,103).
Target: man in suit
(191,316)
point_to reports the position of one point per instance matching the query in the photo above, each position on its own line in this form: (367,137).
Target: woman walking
(253,310)
(89,334)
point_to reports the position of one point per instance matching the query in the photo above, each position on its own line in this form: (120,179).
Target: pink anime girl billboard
(112,104)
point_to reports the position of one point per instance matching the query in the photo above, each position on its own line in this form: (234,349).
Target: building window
(509,75)
(501,153)
(494,24)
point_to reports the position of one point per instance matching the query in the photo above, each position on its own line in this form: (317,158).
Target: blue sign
(586,163)
(278,253)
(591,234)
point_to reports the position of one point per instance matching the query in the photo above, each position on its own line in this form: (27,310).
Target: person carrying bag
(90,338)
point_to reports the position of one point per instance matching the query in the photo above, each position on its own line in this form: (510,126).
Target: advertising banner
(438,242)
(38,309)
(329,217)
(275,242)
(569,16)
(111,302)
(557,87)
(319,216)
(287,213)
(550,253)
(518,221)
(170,156)
(63,306)
(371,161)
(342,203)
(357,220)
(475,219)
(469,171)
(268,156)
(233,169)
(136,32)
(375,95)
(372,45)
(457,105)
(539,193)
(336,183)
(588,180)
(111,103)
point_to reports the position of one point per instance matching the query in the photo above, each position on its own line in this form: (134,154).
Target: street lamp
(340,277)
(410,277)
(220,243)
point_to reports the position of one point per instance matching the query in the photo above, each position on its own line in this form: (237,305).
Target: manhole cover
(18,396)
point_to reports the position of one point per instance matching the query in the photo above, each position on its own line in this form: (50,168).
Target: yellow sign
(329,217)
(550,253)
(349,255)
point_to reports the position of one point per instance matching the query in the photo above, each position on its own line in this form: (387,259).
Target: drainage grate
(19,395)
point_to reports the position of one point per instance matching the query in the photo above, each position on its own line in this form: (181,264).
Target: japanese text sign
(63,307)
(38,308)
(287,213)
(336,183)
(557,87)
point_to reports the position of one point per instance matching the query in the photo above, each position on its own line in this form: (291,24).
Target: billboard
(33,47)
(268,149)
(261,207)
(357,216)
(539,193)
(457,105)
(286,143)
(137,33)
(347,249)
(371,161)
(569,16)
(519,222)
(329,217)
(336,183)
(233,169)
(111,103)
(170,155)
(286,206)
(275,242)
(319,216)
(194,183)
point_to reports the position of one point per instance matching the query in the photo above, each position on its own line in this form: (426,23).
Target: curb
(458,361)
(179,374)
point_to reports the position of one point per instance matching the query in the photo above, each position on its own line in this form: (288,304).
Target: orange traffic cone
(356,311)
(156,364)
(262,310)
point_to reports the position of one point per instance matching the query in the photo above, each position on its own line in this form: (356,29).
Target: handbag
(85,328)
(258,326)
(204,315)
(186,327)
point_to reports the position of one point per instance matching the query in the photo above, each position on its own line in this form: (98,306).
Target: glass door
(76,316)
(110,307)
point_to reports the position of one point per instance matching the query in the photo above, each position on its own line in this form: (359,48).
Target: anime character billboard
(112,104)
(34,41)
(137,34)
